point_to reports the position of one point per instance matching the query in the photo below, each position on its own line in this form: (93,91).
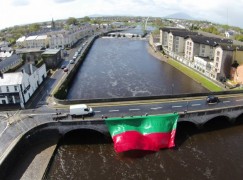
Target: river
(121,67)
(208,154)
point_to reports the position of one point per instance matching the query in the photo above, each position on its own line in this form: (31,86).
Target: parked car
(63,67)
(212,99)
(71,61)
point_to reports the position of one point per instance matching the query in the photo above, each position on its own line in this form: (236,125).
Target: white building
(18,87)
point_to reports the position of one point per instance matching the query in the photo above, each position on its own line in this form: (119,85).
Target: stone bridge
(197,118)
(128,35)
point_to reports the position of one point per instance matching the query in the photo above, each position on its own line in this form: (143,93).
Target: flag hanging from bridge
(143,132)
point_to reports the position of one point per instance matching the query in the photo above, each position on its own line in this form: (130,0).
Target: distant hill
(179,16)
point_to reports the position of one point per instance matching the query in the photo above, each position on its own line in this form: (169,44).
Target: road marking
(226,101)
(40,114)
(196,104)
(97,111)
(239,100)
(156,108)
(134,109)
(113,110)
(176,106)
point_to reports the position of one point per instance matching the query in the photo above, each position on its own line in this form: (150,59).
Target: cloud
(63,1)
(20,2)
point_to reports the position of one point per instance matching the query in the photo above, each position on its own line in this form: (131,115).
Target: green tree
(34,27)
(86,19)
(72,21)
(239,37)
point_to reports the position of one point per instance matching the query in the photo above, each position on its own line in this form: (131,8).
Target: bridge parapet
(199,118)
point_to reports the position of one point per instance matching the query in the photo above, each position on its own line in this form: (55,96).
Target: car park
(212,99)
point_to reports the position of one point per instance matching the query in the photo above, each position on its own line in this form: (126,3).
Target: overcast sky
(18,12)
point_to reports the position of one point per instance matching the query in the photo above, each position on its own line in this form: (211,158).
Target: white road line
(97,111)
(113,110)
(176,106)
(134,109)
(226,101)
(239,100)
(156,108)
(40,114)
(3,131)
(196,104)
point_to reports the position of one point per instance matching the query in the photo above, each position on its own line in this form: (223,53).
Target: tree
(86,19)
(72,21)
(34,27)
(239,37)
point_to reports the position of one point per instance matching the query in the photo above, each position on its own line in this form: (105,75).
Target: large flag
(143,132)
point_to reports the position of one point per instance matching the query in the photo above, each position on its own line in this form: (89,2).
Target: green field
(211,86)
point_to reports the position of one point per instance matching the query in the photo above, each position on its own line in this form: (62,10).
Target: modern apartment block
(211,56)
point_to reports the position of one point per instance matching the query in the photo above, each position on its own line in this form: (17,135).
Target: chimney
(23,71)
(31,68)
(1,75)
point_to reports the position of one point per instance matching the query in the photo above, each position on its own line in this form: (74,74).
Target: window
(7,89)
(0,90)
(15,88)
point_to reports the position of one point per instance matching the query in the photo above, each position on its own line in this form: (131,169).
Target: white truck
(81,110)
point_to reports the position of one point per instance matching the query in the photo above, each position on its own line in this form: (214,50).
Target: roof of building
(183,33)
(168,29)
(230,47)
(41,37)
(8,61)
(51,51)
(29,50)
(9,79)
(27,68)
(211,41)
(31,38)
(21,39)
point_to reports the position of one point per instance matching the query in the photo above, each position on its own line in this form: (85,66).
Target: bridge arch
(85,135)
(239,119)
(217,122)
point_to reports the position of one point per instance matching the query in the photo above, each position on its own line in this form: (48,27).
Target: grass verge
(211,86)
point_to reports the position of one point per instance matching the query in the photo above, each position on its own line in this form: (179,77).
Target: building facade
(18,87)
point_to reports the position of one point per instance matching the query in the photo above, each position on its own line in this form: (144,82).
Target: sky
(19,12)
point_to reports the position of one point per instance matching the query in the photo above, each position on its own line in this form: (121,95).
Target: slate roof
(168,29)
(211,41)
(183,33)
(8,61)
(230,47)
(26,68)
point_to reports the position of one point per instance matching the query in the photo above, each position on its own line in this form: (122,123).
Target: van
(81,110)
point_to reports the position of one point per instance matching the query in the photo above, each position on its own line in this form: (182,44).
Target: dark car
(63,67)
(212,99)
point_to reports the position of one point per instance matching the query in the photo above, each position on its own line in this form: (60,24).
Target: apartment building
(201,46)
(18,87)
(225,55)
(164,33)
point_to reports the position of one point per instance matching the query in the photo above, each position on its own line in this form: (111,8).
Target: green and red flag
(143,132)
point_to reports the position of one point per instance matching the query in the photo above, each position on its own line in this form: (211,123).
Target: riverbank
(205,82)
